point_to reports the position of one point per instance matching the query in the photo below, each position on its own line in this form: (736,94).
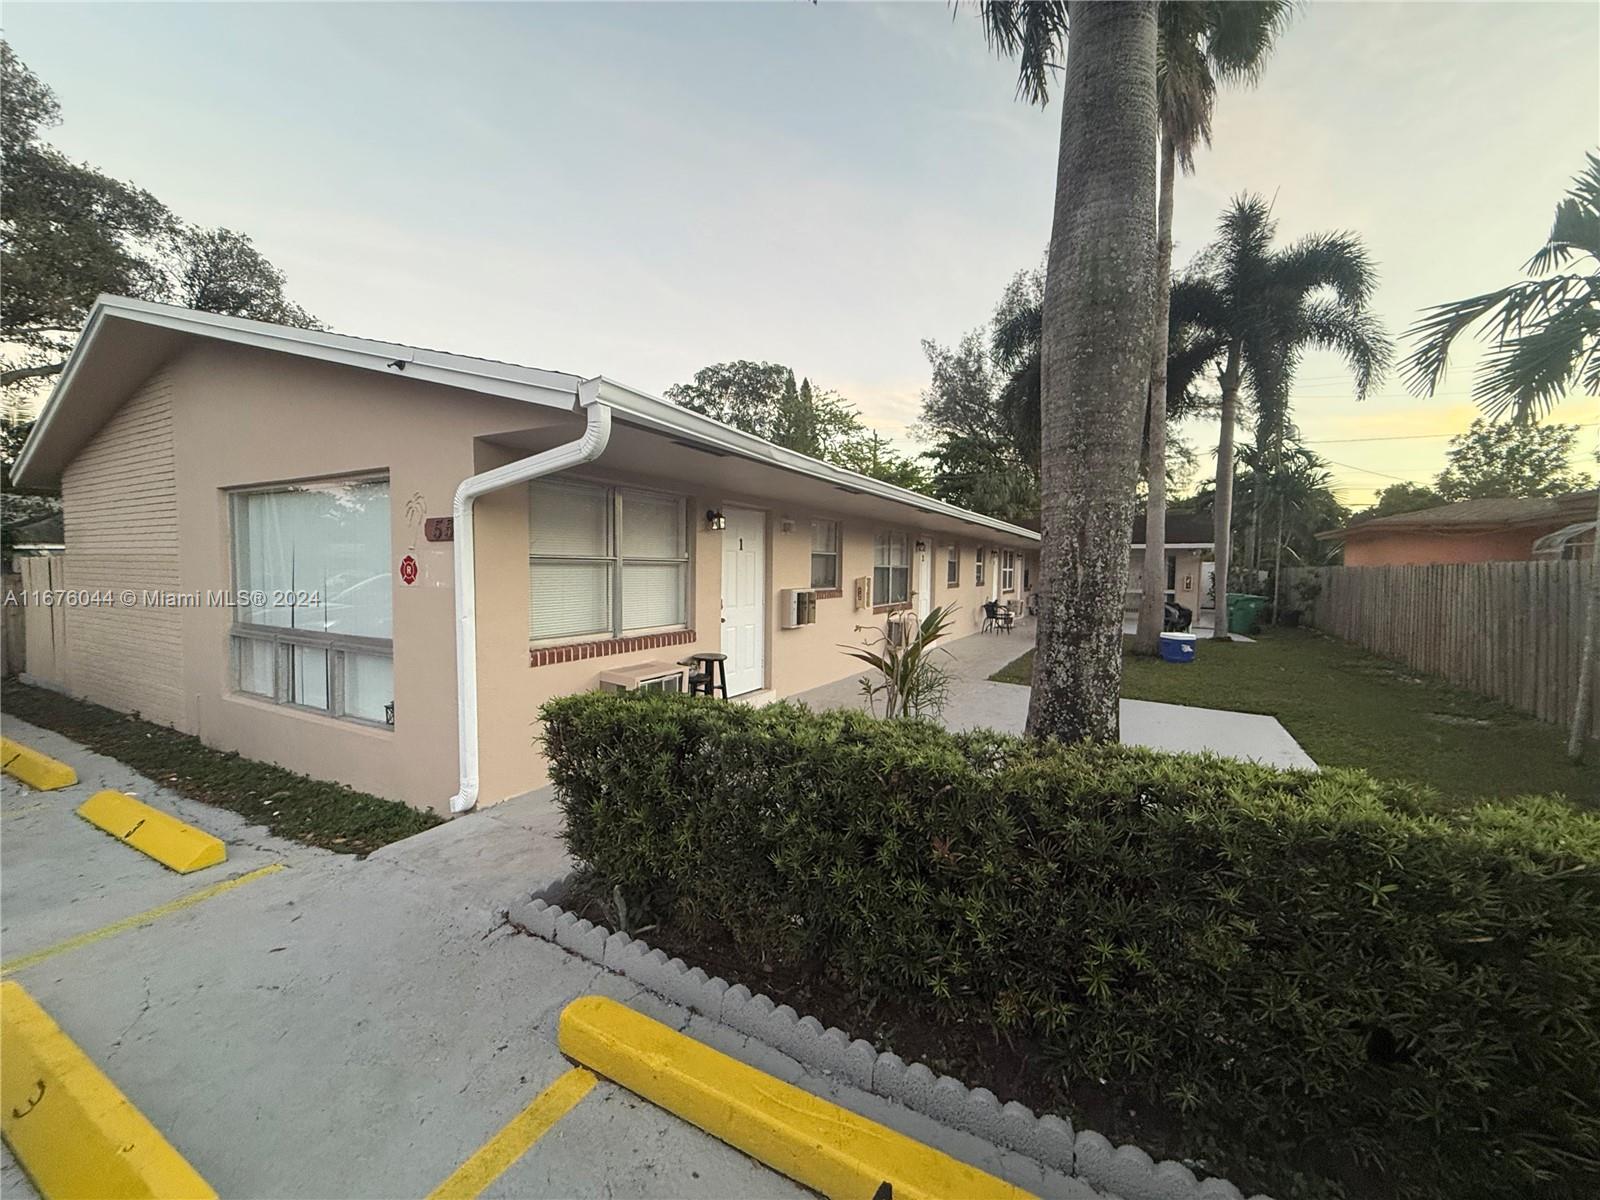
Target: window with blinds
(824,554)
(952,568)
(977,569)
(604,562)
(891,569)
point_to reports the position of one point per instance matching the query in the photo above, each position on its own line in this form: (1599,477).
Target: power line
(1405,437)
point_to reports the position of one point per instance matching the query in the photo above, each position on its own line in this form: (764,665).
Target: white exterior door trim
(744,599)
(924,577)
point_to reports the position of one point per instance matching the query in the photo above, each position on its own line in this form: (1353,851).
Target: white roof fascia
(662,416)
(1177,545)
(553,389)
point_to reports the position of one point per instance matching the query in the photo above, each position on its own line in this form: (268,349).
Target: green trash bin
(1243,611)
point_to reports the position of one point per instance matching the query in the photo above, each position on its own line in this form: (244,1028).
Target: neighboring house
(1471,531)
(312,476)
(36,535)
(1189,545)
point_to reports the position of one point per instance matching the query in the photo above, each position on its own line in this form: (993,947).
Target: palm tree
(1202,43)
(1546,335)
(1251,311)
(1094,362)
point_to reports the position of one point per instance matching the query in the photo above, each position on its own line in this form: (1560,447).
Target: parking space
(328,1027)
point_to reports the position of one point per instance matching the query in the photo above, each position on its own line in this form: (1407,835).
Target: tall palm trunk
(1152,608)
(1222,529)
(1095,364)
(1578,736)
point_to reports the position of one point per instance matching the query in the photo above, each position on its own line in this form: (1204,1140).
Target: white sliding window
(603,562)
(891,569)
(314,624)
(825,554)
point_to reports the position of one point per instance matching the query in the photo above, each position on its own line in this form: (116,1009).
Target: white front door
(744,599)
(924,587)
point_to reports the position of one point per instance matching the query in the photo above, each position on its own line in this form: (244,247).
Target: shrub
(1296,960)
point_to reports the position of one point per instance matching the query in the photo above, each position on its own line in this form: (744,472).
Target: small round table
(714,667)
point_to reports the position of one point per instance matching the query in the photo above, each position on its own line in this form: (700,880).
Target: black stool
(711,675)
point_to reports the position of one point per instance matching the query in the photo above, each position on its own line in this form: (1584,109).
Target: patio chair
(1005,618)
(991,616)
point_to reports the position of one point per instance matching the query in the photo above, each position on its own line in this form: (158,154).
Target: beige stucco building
(372,563)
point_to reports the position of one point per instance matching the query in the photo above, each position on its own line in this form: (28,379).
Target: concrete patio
(977,703)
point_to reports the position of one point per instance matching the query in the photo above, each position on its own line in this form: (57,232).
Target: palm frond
(1333,260)
(1034,32)
(1356,335)
(1576,230)
(1524,376)
(1506,311)
(1242,34)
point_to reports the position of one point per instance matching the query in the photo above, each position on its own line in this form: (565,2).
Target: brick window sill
(830,593)
(888,608)
(543,656)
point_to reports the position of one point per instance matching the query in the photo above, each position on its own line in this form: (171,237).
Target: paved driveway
(303,1024)
(977,703)
(332,1028)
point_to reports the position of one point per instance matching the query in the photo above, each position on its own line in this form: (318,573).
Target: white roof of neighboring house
(87,400)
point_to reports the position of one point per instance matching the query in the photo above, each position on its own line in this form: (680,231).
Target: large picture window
(314,623)
(604,562)
(824,554)
(891,569)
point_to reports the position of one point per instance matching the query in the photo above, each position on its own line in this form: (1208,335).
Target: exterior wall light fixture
(715,519)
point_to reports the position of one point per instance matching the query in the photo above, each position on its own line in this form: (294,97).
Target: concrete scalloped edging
(1125,1171)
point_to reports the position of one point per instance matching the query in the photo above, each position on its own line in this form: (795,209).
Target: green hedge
(1296,960)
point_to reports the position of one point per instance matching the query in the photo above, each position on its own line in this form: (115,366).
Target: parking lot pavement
(334,1028)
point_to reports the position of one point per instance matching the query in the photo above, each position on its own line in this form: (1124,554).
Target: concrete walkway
(977,703)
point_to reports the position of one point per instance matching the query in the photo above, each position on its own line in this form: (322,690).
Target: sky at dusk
(641,190)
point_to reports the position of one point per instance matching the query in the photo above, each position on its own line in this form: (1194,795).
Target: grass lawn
(1349,708)
(292,806)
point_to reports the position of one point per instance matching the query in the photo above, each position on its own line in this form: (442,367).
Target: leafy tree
(70,232)
(1250,311)
(747,395)
(1201,43)
(1096,320)
(979,456)
(1400,498)
(871,454)
(1511,459)
(763,399)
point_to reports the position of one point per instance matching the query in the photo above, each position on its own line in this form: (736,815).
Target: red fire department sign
(408,570)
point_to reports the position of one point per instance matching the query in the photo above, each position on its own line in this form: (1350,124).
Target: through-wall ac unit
(902,627)
(797,607)
(643,677)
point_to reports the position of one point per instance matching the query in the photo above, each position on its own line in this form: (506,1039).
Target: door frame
(763,638)
(922,597)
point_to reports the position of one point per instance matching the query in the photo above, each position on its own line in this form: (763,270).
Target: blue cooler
(1178,647)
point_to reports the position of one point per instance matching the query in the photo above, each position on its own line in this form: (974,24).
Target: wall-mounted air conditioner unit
(903,627)
(863,590)
(643,677)
(797,607)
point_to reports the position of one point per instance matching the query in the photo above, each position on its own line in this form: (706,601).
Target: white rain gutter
(587,448)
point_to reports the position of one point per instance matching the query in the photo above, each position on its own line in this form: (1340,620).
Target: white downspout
(587,448)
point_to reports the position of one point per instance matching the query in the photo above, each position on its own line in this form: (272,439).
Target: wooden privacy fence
(1510,630)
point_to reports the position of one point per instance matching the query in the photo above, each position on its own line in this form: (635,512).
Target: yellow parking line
(144,918)
(512,1142)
